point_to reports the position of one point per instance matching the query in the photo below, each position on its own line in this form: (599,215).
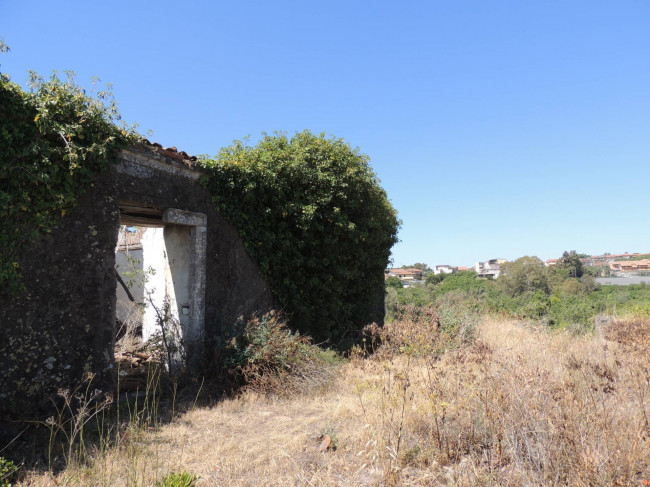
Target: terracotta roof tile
(171,152)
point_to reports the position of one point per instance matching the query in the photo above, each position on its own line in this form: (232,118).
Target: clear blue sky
(498,129)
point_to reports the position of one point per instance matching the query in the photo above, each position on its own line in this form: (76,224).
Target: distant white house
(444,269)
(406,275)
(490,269)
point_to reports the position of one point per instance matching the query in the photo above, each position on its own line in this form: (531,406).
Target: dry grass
(518,405)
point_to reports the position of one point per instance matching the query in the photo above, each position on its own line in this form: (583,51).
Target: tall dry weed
(516,405)
(520,405)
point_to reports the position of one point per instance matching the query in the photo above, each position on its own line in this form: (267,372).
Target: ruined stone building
(151,213)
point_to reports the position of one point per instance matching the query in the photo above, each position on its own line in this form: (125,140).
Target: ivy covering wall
(53,139)
(309,209)
(314,217)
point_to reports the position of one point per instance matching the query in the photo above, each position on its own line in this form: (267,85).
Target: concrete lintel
(140,165)
(181,217)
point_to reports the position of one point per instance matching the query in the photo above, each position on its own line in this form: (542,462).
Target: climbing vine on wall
(312,214)
(309,209)
(53,138)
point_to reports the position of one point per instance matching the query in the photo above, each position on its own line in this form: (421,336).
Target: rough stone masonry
(62,328)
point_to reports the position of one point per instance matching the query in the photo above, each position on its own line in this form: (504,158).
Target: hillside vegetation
(529,290)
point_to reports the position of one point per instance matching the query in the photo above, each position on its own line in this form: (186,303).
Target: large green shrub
(53,139)
(526,274)
(313,216)
(461,281)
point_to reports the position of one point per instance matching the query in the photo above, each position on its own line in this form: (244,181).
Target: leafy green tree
(592,271)
(572,287)
(589,284)
(434,279)
(571,261)
(394,281)
(314,217)
(526,274)
(556,276)
(640,257)
(461,281)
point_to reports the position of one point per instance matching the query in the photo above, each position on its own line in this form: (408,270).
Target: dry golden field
(509,403)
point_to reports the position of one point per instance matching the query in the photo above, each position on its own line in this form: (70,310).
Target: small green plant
(178,479)
(168,338)
(136,277)
(7,472)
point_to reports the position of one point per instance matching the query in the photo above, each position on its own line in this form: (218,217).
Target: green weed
(174,479)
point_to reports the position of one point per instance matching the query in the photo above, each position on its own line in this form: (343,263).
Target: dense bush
(435,278)
(425,331)
(263,354)
(393,281)
(526,274)
(415,330)
(313,216)
(460,313)
(461,281)
(266,343)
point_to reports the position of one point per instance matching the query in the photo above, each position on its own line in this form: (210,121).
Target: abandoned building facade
(146,231)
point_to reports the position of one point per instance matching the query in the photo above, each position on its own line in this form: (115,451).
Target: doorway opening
(160,264)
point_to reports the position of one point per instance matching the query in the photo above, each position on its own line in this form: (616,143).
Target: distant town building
(406,275)
(444,269)
(630,265)
(551,262)
(607,258)
(490,269)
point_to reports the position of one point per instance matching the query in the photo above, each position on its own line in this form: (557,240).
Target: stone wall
(62,328)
